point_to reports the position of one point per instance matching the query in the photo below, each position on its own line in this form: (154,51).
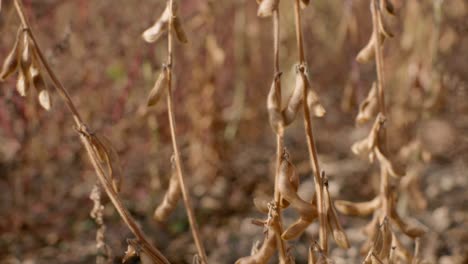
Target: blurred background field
(228,148)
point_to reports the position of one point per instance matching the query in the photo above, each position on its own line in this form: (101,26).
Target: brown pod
(22,83)
(26,54)
(386,240)
(388,166)
(10,65)
(337,231)
(274,107)
(369,107)
(313,102)
(179,30)
(400,250)
(261,203)
(159,27)
(358,209)
(159,89)
(295,100)
(388,6)
(171,198)
(410,229)
(267,7)
(39,83)
(111,160)
(264,253)
(304,3)
(383,27)
(367,53)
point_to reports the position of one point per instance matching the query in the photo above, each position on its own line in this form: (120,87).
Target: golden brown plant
(381,236)
(28,59)
(170,22)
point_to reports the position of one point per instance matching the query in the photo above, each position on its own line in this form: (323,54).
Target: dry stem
(279,137)
(185,193)
(310,137)
(156,255)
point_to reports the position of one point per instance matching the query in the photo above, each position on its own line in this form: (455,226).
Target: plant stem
(310,138)
(185,193)
(384,181)
(154,253)
(279,139)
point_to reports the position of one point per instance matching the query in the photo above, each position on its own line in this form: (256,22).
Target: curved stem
(185,193)
(310,138)
(154,253)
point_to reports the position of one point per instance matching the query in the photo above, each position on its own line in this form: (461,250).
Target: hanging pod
(369,107)
(170,200)
(10,65)
(160,26)
(332,219)
(159,88)
(358,209)
(274,104)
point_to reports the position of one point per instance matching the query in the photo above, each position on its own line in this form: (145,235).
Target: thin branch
(155,254)
(185,194)
(279,138)
(310,136)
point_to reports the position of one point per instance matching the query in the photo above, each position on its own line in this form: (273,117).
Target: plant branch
(310,136)
(279,138)
(185,193)
(154,253)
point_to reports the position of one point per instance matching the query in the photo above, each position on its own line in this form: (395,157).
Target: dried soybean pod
(22,83)
(266,251)
(261,203)
(383,27)
(10,65)
(410,229)
(304,3)
(179,29)
(358,209)
(273,106)
(367,53)
(159,88)
(388,6)
(267,7)
(388,166)
(39,83)
(111,160)
(171,198)
(369,107)
(295,100)
(313,102)
(386,239)
(337,231)
(159,27)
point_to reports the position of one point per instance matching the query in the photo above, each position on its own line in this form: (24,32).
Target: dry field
(268,131)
